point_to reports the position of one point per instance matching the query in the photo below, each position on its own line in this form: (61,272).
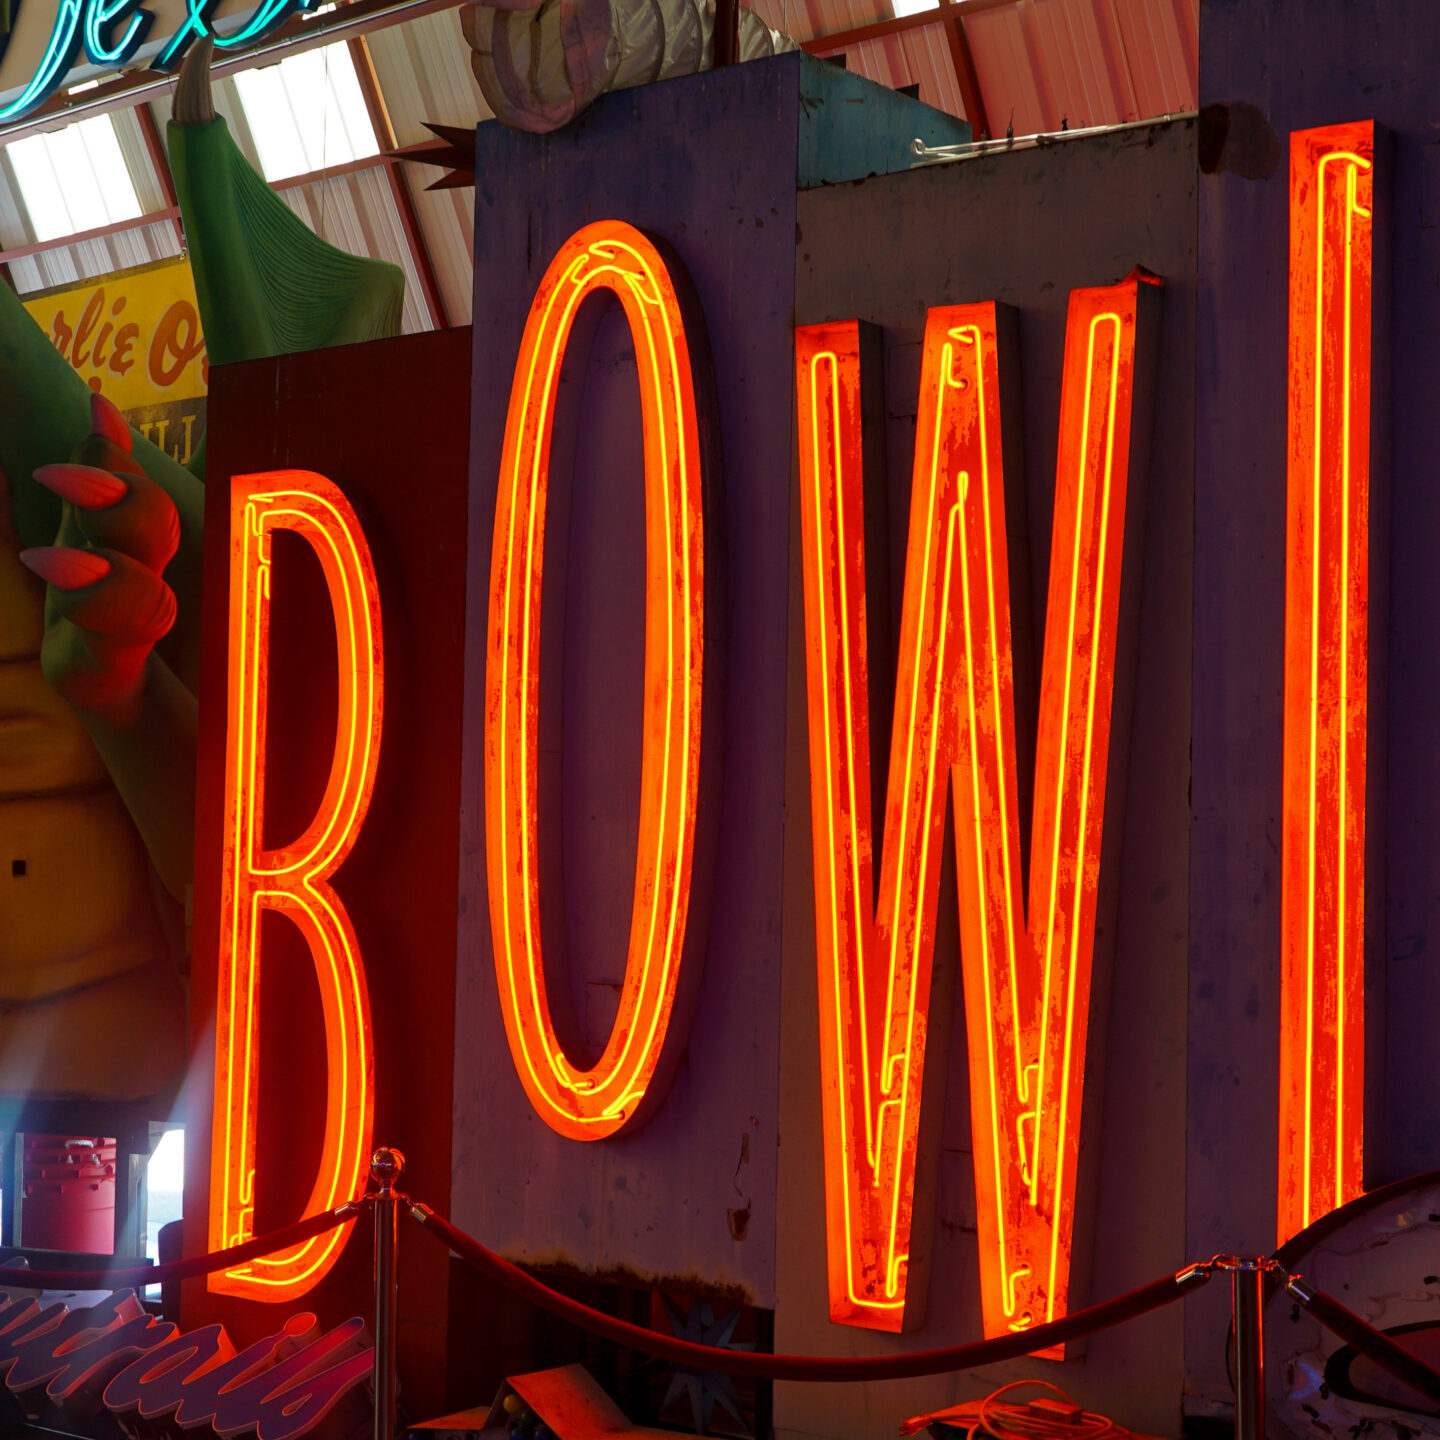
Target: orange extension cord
(1055,1419)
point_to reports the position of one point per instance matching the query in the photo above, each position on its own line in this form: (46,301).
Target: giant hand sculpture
(97,737)
(541,62)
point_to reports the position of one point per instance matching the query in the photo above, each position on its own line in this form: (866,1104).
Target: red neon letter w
(1026,968)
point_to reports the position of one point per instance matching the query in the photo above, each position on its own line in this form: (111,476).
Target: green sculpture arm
(107,605)
(44,418)
(266,284)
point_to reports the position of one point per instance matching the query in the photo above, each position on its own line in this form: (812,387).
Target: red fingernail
(106,420)
(84,485)
(64,568)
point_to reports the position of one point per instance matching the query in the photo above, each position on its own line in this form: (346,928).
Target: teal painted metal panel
(851,128)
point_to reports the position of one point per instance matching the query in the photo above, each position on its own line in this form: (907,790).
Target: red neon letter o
(591,1104)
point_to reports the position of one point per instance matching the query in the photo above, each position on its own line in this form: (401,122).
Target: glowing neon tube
(579,1100)
(1027,983)
(293,880)
(1327,589)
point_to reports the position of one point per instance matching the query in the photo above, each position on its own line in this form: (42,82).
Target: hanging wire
(325,142)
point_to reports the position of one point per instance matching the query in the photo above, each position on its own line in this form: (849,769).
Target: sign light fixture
(583,1101)
(293,879)
(1027,970)
(1327,592)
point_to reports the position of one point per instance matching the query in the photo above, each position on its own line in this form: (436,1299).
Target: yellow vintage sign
(135,337)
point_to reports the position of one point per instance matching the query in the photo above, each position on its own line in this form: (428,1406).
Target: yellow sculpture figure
(91,1001)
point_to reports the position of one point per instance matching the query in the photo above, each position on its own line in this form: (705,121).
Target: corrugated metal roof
(92,259)
(14,230)
(148,187)
(1039,64)
(448,220)
(424,72)
(807,18)
(913,57)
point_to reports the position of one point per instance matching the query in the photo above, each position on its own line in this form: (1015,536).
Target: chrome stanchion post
(1247,1293)
(385,1168)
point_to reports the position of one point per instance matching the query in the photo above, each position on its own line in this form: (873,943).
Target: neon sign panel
(1027,940)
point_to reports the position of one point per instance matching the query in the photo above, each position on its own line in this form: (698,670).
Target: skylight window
(910,7)
(307,112)
(74,179)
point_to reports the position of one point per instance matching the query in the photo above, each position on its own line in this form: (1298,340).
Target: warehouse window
(307,113)
(910,7)
(73,179)
(164,1184)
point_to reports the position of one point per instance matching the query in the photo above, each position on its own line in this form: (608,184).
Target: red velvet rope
(811,1367)
(120,1277)
(1369,1341)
